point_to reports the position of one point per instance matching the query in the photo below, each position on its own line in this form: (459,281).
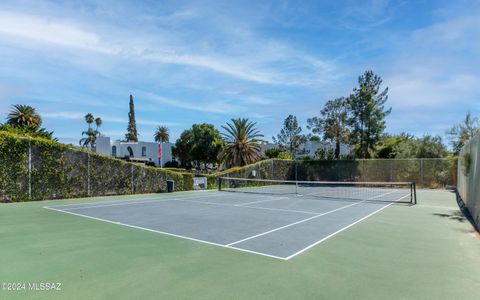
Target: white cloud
(220,107)
(51,31)
(165,48)
(66,115)
(453,34)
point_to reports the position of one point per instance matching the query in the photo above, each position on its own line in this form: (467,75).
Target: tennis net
(399,192)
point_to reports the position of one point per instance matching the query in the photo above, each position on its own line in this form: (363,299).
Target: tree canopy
(332,123)
(407,146)
(367,113)
(132,133)
(207,144)
(290,137)
(89,137)
(243,143)
(24,120)
(461,133)
(162,134)
(277,153)
(183,147)
(198,146)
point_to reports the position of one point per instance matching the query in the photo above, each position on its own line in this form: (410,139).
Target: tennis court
(278,219)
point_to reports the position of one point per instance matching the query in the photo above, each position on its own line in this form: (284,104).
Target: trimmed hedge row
(60,171)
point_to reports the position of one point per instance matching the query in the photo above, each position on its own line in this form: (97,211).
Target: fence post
(131,168)
(88,174)
(296,177)
(29,165)
(391,170)
(421,172)
(272,175)
(30,168)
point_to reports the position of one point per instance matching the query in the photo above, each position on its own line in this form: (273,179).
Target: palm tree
(90,138)
(162,134)
(243,143)
(89,119)
(98,123)
(91,134)
(23,116)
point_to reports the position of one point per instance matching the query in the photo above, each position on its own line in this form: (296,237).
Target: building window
(130,151)
(114,150)
(144,151)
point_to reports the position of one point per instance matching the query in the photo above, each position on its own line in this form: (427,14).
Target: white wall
(310,147)
(468,177)
(104,147)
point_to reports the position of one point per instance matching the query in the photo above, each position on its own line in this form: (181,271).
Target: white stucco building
(309,148)
(136,151)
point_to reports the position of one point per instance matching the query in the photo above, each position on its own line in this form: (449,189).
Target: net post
(411,192)
(414,193)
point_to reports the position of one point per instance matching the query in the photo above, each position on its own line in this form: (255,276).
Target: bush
(277,152)
(284,155)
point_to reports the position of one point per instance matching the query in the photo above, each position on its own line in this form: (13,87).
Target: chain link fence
(425,172)
(36,169)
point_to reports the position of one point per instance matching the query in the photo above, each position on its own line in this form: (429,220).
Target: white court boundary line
(261,201)
(292,224)
(230,246)
(157,196)
(255,207)
(342,229)
(157,200)
(305,220)
(164,232)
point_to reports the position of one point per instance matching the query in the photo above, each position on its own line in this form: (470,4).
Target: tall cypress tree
(132,134)
(368,112)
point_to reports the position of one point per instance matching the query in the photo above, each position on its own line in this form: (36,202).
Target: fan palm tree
(243,143)
(162,134)
(90,135)
(90,138)
(89,119)
(98,123)
(23,116)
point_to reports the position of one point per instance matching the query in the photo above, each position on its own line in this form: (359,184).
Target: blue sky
(190,62)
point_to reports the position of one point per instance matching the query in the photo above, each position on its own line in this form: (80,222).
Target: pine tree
(367,109)
(132,134)
(290,136)
(332,122)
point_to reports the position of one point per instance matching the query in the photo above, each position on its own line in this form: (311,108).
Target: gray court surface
(271,225)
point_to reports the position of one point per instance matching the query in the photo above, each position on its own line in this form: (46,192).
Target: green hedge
(60,171)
